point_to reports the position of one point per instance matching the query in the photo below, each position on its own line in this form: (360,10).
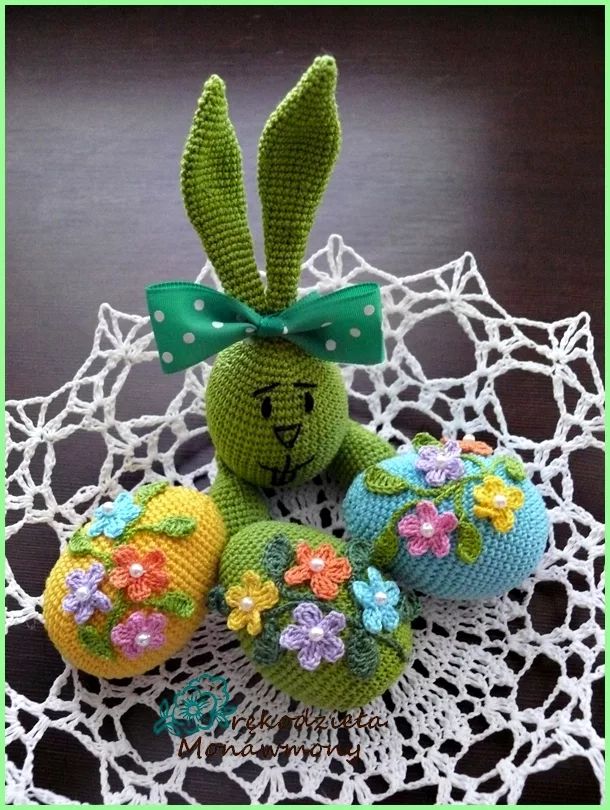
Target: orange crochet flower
(321,567)
(141,576)
(468,444)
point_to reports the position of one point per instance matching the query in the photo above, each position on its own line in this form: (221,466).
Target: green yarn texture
(213,191)
(297,151)
(371,663)
(284,435)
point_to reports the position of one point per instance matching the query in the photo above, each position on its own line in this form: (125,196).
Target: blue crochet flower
(379,598)
(112,518)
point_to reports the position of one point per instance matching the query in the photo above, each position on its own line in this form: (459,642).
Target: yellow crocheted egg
(130,589)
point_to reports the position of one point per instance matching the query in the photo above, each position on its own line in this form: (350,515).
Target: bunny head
(276,403)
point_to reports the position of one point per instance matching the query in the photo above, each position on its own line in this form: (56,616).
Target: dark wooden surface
(464,129)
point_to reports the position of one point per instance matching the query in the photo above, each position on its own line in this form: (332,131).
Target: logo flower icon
(198,706)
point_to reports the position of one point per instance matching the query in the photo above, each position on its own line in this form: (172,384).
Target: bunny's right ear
(212,185)
(297,151)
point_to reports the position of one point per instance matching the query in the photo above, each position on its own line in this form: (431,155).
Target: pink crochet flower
(139,633)
(427,530)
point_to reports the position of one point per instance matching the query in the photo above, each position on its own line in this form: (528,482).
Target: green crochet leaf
(278,557)
(359,556)
(385,547)
(469,542)
(91,638)
(212,185)
(409,607)
(514,467)
(216,601)
(266,647)
(145,493)
(380,482)
(362,653)
(176,602)
(172,526)
(422,439)
(80,543)
(297,151)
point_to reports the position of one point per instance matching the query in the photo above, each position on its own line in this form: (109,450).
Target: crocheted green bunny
(313,612)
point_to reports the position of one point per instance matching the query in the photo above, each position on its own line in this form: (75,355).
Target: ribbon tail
(342,327)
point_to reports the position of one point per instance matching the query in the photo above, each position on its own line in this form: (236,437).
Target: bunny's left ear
(297,151)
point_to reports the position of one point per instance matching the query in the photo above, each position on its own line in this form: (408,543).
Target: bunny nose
(287,434)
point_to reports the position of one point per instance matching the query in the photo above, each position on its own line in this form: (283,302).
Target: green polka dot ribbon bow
(192,322)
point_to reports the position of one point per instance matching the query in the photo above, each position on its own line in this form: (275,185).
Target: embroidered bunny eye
(266,408)
(309,403)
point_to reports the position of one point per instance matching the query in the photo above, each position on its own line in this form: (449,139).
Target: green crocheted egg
(314,616)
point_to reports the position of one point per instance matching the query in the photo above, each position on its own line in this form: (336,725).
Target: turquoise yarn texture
(505,559)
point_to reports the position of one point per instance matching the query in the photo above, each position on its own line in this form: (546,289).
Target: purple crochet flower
(84,597)
(139,633)
(314,636)
(440,464)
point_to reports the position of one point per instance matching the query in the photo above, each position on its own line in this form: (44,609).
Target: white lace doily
(470,660)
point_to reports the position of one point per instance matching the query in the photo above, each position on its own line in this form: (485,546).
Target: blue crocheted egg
(450,523)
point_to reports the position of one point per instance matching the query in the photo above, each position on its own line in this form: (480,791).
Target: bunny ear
(212,185)
(296,155)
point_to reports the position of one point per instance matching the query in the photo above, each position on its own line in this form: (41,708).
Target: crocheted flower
(379,598)
(315,636)
(248,600)
(112,518)
(140,575)
(440,464)
(497,502)
(427,530)
(84,597)
(468,444)
(139,633)
(321,567)
(194,707)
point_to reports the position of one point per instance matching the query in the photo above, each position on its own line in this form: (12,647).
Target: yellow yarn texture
(190,565)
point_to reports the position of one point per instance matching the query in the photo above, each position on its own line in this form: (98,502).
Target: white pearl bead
(82,592)
(427,529)
(316,633)
(107,507)
(247,603)
(381,598)
(469,437)
(136,570)
(440,460)
(500,501)
(317,564)
(143,639)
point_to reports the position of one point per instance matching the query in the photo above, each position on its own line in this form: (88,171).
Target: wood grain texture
(464,129)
